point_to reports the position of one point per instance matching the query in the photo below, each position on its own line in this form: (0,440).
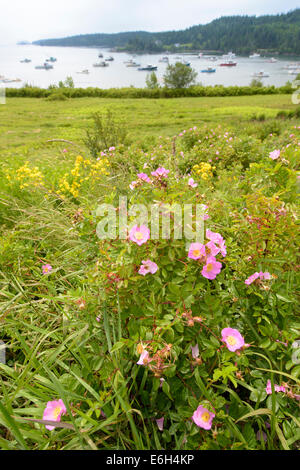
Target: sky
(31,20)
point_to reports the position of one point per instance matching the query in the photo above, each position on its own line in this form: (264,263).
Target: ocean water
(71,60)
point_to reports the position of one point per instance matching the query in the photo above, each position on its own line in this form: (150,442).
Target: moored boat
(229,63)
(45,66)
(25,61)
(148,68)
(260,74)
(208,70)
(101,64)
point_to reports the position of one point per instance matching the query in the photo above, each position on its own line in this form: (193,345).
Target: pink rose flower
(212,249)
(144,177)
(275,154)
(196,251)
(133,184)
(144,358)
(203,418)
(212,268)
(139,234)
(160,172)
(277,388)
(160,423)
(195,351)
(148,266)
(233,339)
(47,268)
(192,183)
(54,411)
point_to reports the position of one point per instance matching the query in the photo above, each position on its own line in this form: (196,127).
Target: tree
(179,76)
(256,83)
(151,81)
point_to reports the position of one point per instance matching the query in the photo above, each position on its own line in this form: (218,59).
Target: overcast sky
(38,19)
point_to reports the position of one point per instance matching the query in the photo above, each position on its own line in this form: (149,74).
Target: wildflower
(65,150)
(214,237)
(47,268)
(196,251)
(133,184)
(212,249)
(203,418)
(266,275)
(195,351)
(54,411)
(148,266)
(160,423)
(144,358)
(139,234)
(252,278)
(212,268)
(144,177)
(277,388)
(160,172)
(233,339)
(192,183)
(111,149)
(275,154)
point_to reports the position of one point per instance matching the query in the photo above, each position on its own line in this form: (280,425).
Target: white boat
(260,74)
(254,56)
(148,68)
(109,59)
(100,55)
(84,71)
(25,61)
(45,66)
(51,59)
(272,60)
(133,64)
(230,55)
(294,72)
(164,59)
(101,64)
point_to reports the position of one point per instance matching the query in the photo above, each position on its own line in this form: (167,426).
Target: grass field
(28,121)
(74,332)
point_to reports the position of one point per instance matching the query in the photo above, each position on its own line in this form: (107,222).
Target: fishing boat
(294,72)
(164,59)
(229,56)
(254,56)
(45,66)
(101,64)
(260,74)
(229,63)
(51,59)
(132,64)
(208,70)
(148,68)
(25,61)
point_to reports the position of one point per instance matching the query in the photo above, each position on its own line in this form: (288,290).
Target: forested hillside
(243,34)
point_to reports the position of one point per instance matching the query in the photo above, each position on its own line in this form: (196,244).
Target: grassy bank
(119,349)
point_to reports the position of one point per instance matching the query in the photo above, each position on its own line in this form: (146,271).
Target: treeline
(242,34)
(131,92)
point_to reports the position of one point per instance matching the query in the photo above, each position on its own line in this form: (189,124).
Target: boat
(100,55)
(148,68)
(164,59)
(188,64)
(84,71)
(229,63)
(271,61)
(132,64)
(109,59)
(101,64)
(10,80)
(25,61)
(260,74)
(254,56)
(45,66)
(230,55)
(208,70)
(51,59)
(294,72)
